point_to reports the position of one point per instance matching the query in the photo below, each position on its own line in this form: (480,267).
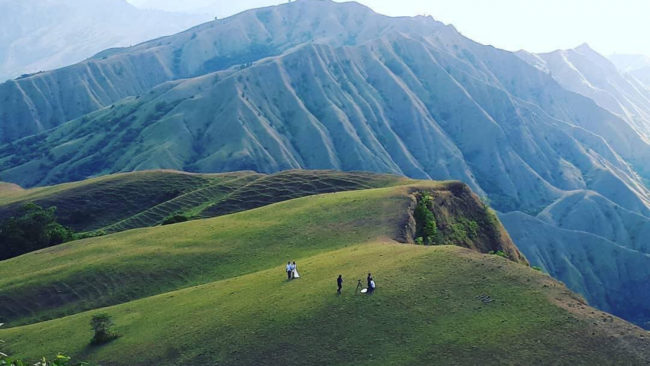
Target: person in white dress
(295,270)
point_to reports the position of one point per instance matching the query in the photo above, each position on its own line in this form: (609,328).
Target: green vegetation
(426,228)
(175,219)
(499,253)
(463,230)
(111,269)
(34,228)
(214,291)
(95,203)
(141,199)
(101,324)
(425,311)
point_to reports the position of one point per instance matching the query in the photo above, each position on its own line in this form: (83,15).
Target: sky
(535,25)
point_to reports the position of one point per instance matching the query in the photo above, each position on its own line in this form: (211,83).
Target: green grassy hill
(131,200)
(95,203)
(214,291)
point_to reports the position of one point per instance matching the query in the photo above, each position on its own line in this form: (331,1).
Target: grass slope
(95,203)
(116,268)
(141,199)
(102,271)
(297,183)
(214,291)
(427,310)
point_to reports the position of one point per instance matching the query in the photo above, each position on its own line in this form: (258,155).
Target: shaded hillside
(614,272)
(137,263)
(128,200)
(99,202)
(223,297)
(586,72)
(131,200)
(292,184)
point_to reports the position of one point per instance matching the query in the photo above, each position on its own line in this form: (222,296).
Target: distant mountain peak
(585,47)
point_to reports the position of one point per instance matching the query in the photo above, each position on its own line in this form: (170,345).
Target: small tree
(425,222)
(33,228)
(101,324)
(173,219)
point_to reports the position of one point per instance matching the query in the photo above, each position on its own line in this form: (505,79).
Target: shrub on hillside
(499,253)
(173,219)
(101,324)
(33,228)
(425,223)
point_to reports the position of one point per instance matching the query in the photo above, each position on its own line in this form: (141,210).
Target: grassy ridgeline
(220,295)
(107,270)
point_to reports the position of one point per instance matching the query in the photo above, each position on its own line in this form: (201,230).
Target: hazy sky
(608,26)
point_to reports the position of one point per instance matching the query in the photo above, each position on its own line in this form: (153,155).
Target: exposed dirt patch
(461,219)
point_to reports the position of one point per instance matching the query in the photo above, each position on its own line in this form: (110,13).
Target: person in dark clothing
(339,283)
(371,287)
(289,270)
(369,279)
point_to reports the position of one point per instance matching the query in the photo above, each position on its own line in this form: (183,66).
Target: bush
(425,223)
(101,324)
(499,253)
(89,234)
(173,219)
(33,229)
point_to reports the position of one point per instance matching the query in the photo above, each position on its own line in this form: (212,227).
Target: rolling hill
(325,85)
(460,217)
(141,199)
(214,291)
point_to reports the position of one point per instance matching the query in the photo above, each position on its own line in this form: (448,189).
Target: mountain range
(40,35)
(636,66)
(558,143)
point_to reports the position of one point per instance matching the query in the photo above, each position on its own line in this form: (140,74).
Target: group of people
(369,290)
(292,270)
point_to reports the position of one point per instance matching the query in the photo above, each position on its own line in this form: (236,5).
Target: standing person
(368,280)
(289,270)
(292,268)
(339,283)
(295,273)
(371,287)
